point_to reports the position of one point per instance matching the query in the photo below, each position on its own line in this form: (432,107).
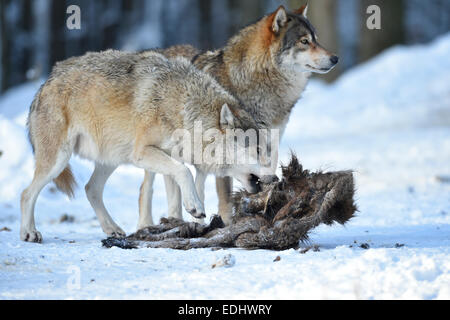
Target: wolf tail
(65,182)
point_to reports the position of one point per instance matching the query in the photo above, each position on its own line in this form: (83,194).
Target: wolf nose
(334,59)
(255,183)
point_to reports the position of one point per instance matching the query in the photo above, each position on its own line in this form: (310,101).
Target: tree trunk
(372,42)
(244,12)
(26,26)
(3,49)
(206,31)
(58,21)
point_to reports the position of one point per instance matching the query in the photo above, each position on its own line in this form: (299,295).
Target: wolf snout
(256,183)
(334,60)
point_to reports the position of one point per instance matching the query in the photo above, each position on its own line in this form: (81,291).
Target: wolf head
(251,151)
(234,147)
(294,44)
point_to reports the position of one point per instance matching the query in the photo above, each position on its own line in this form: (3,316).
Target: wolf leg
(145,201)
(48,166)
(200,180)
(155,160)
(173,193)
(94,192)
(224,187)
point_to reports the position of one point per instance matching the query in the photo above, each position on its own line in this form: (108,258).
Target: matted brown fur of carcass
(277,218)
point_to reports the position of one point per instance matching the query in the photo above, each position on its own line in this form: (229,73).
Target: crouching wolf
(123,108)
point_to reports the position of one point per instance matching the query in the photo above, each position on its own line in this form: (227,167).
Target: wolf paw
(196,214)
(31,236)
(195,208)
(117,234)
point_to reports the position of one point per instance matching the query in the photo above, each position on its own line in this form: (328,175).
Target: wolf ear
(226,117)
(303,10)
(280,19)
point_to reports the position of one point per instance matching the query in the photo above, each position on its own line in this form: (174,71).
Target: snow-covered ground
(389,120)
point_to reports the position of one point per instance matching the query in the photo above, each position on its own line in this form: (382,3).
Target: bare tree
(3,46)
(244,12)
(26,42)
(57,40)
(392,30)
(206,32)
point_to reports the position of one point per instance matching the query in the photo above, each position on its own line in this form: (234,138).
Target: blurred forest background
(34,34)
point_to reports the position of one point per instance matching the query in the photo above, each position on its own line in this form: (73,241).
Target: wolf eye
(305,41)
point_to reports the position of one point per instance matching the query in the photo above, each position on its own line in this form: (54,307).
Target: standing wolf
(266,66)
(123,108)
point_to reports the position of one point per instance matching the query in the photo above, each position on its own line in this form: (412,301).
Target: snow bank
(389,120)
(401,88)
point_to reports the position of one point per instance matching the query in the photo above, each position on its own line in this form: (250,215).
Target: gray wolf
(118,108)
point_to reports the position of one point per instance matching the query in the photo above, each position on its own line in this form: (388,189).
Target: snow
(389,120)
